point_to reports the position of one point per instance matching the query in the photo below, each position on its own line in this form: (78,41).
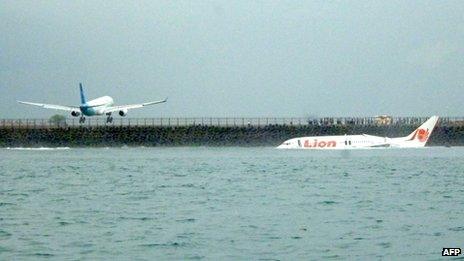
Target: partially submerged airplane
(416,139)
(96,107)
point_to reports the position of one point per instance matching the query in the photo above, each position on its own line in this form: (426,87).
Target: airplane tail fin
(83,100)
(421,135)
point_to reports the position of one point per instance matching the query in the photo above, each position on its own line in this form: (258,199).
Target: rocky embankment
(198,135)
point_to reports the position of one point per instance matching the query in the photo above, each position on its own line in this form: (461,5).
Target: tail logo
(422,135)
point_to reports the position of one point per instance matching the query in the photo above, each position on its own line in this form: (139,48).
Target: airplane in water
(416,139)
(100,106)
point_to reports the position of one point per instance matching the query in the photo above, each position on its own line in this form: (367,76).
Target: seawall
(201,135)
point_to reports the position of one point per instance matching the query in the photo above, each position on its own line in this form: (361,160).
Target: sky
(235,58)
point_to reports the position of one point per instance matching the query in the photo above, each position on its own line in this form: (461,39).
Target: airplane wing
(51,106)
(132,106)
(386,143)
(371,136)
(383,145)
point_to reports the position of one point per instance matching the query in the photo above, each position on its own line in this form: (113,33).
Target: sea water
(230,203)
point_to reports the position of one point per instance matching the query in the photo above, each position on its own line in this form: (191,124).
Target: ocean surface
(230,203)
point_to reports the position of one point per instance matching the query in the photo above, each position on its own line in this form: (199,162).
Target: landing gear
(109,119)
(82,119)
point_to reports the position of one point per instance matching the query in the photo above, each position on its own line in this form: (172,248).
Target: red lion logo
(422,135)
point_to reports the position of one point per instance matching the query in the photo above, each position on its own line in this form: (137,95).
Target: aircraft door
(347,142)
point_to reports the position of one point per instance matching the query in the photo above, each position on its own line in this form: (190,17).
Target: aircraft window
(349,142)
(346,142)
(299,143)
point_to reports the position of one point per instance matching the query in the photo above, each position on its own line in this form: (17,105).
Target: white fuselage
(336,142)
(96,106)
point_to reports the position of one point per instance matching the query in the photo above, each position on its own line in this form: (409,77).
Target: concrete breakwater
(203,135)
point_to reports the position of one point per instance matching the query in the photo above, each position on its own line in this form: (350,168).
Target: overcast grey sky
(236,58)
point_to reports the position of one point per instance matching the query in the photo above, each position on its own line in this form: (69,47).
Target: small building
(383,120)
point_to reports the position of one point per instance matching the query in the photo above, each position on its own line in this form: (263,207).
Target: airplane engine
(75,113)
(123,112)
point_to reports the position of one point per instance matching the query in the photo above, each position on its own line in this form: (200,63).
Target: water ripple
(229,203)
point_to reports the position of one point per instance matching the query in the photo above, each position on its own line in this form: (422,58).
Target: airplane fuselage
(96,106)
(336,142)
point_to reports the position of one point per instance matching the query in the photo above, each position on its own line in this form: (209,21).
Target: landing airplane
(99,106)
(416,139)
